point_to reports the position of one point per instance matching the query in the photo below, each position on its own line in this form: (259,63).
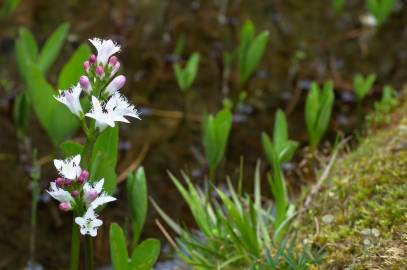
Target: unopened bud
(116,84)
(85,83)
(67,182)
(75,193)
(60,181)
(64,206)
(115,68)
(86,66)
(100,71)
(92,59)
(83,177)
(113,60)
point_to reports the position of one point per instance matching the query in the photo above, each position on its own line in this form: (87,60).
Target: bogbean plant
(380,9)
(383,107)
(318,109)
(362,85)
(186,76)
(338,5)
(216,130)
(278,151)
(145,254)
(251,50)
(92,100)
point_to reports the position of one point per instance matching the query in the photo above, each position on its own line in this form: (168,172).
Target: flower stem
(75,247)
(88,253)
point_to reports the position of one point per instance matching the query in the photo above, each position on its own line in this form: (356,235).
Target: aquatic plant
(283,146)
(234,231)
(8,7)
(143,256)
(87,177)
(380,9)
(362,85)
(318,108)
(33,65)
(137,196)
(338,5)
(251,50)
(383,107)
(216,130)
(186,76)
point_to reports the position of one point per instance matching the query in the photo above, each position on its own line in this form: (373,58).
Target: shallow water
(335,47)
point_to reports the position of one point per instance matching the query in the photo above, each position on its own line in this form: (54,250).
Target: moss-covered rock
(360,214)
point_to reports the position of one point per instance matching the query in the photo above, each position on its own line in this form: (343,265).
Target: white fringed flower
(121,106)
(112,111)
(94,195)
(71,99)
(89,223)
(105,49)
(60,194)
(69,168)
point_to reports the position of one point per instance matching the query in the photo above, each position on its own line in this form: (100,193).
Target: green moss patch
(360,215)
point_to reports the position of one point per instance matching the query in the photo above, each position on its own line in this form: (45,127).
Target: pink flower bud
(113,60)
(60,181)
(92,195)
(116,84)
(75,193)
(85,83)
(115,69)
(86,66)
(92,59)
(100,71)
(83,177)
(64,206)
(67,182)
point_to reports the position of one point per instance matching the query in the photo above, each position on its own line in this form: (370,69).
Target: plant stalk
(88,253)
(75,247)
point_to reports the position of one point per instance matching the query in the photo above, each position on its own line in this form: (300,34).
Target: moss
(365,199)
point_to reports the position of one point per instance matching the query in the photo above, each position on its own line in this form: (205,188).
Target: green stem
(75,247)
(88,253)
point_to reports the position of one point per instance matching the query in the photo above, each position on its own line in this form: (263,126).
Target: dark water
(335,47)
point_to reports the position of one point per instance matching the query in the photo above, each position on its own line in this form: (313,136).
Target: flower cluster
(102,88)
(76,192)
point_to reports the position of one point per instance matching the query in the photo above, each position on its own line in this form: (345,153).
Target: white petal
(80,221)
(99,185)
(105,49)
(101,200)
(93,232)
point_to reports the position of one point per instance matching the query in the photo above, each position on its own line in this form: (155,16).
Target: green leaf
(105,150)
(54,117)
(363,85)
(118,249)
(145,255)
(312,105)
(71,148)
(338,5)
(216,132)
(246,37)
(280,132)
(8,7)
(380,9)
(72,70)
(185,77)
(137,194)
(52,47)
(26,52)
(29,43)
(253,55)
(20,113)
